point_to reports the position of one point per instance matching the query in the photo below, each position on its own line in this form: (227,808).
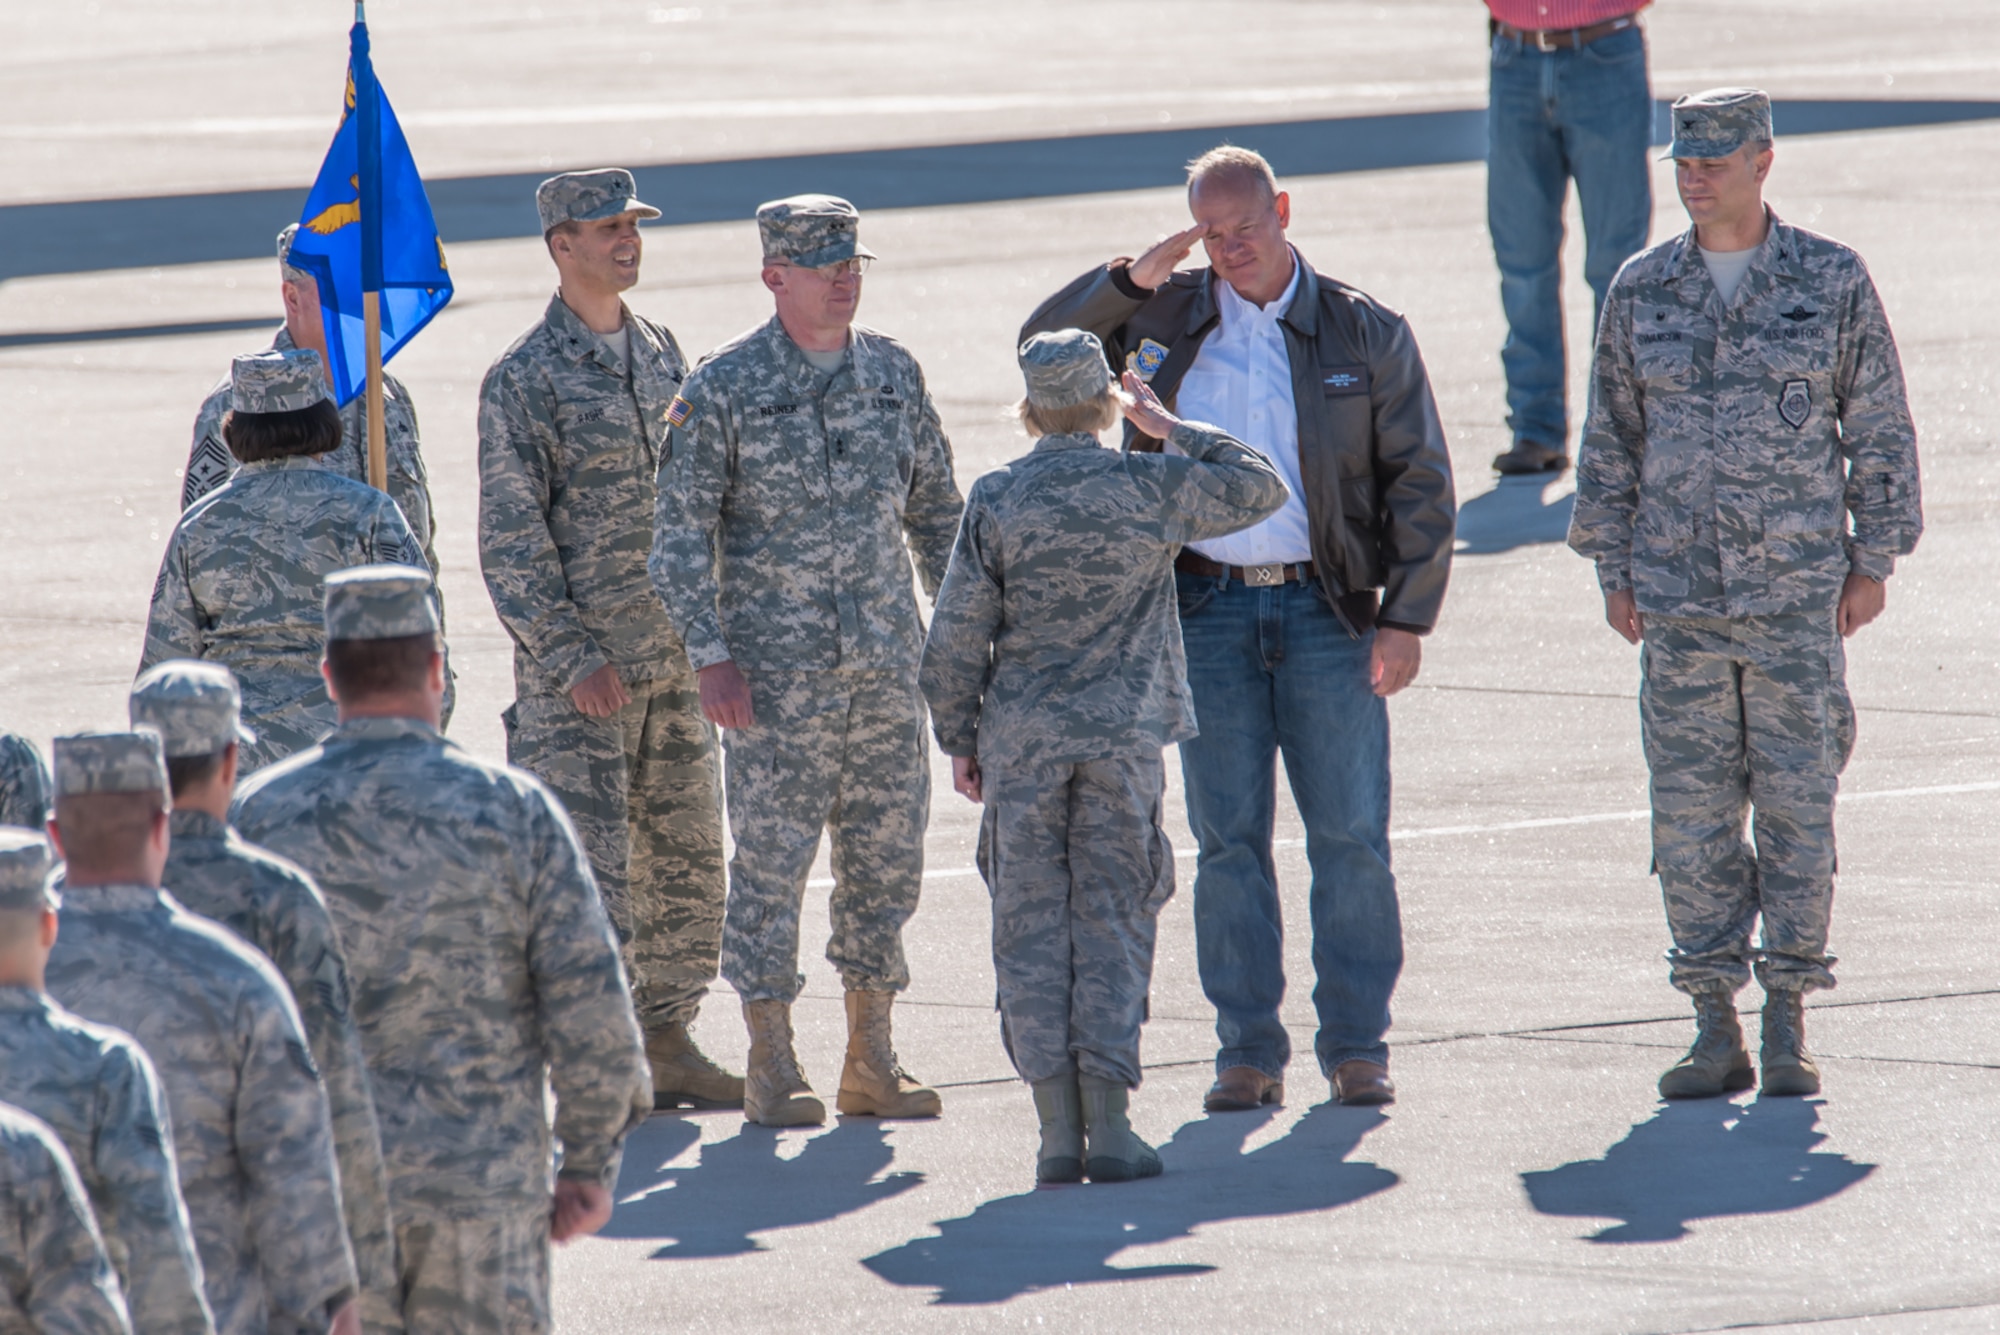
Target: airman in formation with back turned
(1746,401)
(807,466)
(24,783)
(98,1092)
(251,1133)
(572,434)
(275,907)
(240,582)
(1055,678)
(55,1278)
(485,969)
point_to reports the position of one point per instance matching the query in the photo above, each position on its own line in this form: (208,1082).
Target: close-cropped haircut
(569,227)
(304,431)
(185,772)
(1233,168)
(100,828)
(361,668)
(1089,417)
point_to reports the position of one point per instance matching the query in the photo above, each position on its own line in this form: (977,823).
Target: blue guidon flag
(367,226)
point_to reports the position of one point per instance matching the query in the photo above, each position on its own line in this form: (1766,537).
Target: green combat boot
(683,1075)
(1060,1106)
(775,1092)
(1718,1061)
(1788,1067)
(1115,1153)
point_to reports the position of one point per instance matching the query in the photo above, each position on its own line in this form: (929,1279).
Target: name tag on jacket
(1344,379)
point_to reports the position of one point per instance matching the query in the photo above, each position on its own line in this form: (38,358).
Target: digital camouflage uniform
(240,582)
(210,464)
(24,783)
(96,1090)
(275,907)
(570,445)
(249,1116)
(55,1278)
(1055,658)
(484,971)
(785,508)
(1725,450)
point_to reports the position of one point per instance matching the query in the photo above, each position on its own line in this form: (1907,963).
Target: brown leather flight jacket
(1372,454)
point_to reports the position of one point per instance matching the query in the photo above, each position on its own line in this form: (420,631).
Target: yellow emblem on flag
(336,216)
(679,411)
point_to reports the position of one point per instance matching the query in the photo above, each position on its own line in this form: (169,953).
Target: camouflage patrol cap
(602,192)
(1064,368)
(88,763)
(276,382)
(1716,123)
(285,268)
(811,230)
(25,862)
(380,602)
(196,707)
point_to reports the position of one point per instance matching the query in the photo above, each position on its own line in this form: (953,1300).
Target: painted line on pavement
(1504,827)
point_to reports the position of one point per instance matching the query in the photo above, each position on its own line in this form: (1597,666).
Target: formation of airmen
(287,978)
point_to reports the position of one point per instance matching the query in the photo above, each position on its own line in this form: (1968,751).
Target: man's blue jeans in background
(1275,673)
(1584,113)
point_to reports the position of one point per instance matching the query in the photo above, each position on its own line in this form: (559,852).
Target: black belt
(1257,577)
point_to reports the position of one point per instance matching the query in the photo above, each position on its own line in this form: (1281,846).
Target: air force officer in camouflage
(808,464)
(1746,401)
(54,1274)
(485,970)
(251,1133)
(1055,675)
(572,433)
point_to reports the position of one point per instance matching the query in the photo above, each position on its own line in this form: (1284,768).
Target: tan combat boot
(1116,1153)
(1718,1061)
(1788,1067)
(775,1092)
(683,1075)
(873,1083)
(1059,1105)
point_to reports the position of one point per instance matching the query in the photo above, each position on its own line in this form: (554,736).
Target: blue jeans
(1274,672)
(1584,113)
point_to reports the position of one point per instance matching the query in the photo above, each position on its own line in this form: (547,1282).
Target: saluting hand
(1146,411)
(1157,265)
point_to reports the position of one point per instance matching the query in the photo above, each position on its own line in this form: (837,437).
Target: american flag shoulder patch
(679,411)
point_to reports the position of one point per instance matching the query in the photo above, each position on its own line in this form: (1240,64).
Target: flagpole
(371,297)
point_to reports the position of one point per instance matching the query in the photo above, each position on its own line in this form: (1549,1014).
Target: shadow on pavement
(1700,1159)
(741,1187)
(72,236)
(1067,1235)
(1513,515)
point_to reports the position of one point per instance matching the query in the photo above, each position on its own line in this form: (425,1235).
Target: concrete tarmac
(1528,1179)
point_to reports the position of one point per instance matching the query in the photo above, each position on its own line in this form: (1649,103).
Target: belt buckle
(1264,577)
(1542,42)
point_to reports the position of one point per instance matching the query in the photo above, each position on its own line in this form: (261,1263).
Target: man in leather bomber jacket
(1298,628)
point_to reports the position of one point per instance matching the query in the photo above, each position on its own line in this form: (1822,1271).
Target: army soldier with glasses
(1747,480)
(99,1093)
(572,435)
(808,467)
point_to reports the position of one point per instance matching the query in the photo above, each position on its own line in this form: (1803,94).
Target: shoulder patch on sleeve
(679,411)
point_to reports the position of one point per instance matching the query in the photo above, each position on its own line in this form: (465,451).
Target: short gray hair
(1228,166)
(1093,415)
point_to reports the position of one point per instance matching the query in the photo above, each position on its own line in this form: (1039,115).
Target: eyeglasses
(854,264)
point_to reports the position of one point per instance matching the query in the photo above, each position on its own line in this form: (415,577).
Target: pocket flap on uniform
(1344,379)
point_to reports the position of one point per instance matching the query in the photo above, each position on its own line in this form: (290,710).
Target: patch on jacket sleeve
(679,411)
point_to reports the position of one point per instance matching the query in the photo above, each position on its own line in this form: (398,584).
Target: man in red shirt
(1568,100)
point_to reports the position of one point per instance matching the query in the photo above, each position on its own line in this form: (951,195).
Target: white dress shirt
(1241,381)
